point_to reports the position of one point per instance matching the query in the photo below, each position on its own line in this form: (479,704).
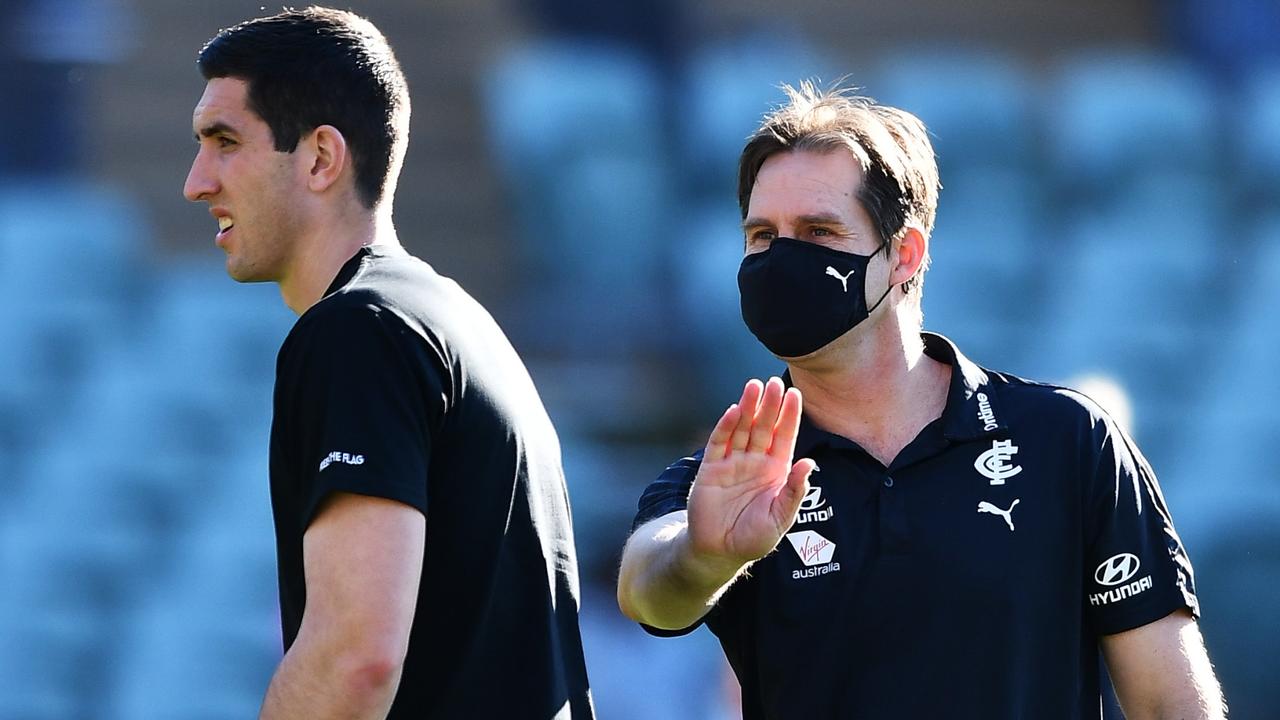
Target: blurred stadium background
(1109,215)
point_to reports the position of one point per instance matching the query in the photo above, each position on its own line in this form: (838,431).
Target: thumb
(787,504)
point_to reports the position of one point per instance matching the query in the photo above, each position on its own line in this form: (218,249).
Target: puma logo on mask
(844,279)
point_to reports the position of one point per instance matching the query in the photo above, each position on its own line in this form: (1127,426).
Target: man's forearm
(311,685)
(1161,671)
(661,583)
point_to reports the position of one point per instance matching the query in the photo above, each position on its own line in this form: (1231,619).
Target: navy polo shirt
(970,578)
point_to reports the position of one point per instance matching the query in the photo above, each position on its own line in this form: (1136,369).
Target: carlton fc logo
(994,463)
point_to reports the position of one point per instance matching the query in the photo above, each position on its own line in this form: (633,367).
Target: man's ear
(912,247)
(329,156)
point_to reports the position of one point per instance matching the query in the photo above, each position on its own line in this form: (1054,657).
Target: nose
(200,182)
(787,229)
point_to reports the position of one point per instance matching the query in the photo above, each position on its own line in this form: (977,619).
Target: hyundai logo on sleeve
(1114,573)
(1117,569)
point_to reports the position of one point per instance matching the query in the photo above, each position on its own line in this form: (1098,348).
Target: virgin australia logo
(994,463)
(815,552)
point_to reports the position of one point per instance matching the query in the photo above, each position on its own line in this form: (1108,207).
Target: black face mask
(797,296)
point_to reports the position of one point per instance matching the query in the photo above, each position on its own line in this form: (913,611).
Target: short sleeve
(365,399)
(670,492)
(1137,568)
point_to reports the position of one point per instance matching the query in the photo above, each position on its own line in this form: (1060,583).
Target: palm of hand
(747,491)
(734,508)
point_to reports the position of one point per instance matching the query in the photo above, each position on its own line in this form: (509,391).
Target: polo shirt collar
(973,405)
(972,410)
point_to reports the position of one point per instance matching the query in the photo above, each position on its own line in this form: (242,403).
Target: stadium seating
(987,283)
(729,85)
(1134,285)
(639,677)
(1115,213)
(722,352)
(1255,136)
(1229,526)
(1111,115)
(979,104)
(212,630)
(560,112)
(59,312)
(578,140)
(1236,425)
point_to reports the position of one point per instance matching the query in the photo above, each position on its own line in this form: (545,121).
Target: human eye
(224,142)
(761,236)
(828,233)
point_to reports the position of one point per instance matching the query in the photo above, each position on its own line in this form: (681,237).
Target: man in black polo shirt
(426,562)
(953,542)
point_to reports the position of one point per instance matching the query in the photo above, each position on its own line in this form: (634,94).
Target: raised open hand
(747,491)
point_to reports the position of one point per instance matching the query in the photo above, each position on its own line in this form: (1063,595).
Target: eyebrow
(813,219)
(217,128)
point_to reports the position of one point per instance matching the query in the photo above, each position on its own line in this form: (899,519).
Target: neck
(325,249)
(875,386)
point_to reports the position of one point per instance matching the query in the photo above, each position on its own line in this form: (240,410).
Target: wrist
(703,569)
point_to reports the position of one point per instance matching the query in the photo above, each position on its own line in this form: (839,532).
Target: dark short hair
(899,172)
(319,66)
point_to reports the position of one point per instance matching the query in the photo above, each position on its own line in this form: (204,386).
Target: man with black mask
(959,543)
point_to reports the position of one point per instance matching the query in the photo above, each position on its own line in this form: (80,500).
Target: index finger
(788,427)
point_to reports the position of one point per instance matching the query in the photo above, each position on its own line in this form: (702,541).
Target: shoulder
(1047,401)
(408,290)
(1059,416)
(1007,402)
(386,292)
(342,315)
(355,328)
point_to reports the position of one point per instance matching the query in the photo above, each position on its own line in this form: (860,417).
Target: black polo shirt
(397,384)
(969,579)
